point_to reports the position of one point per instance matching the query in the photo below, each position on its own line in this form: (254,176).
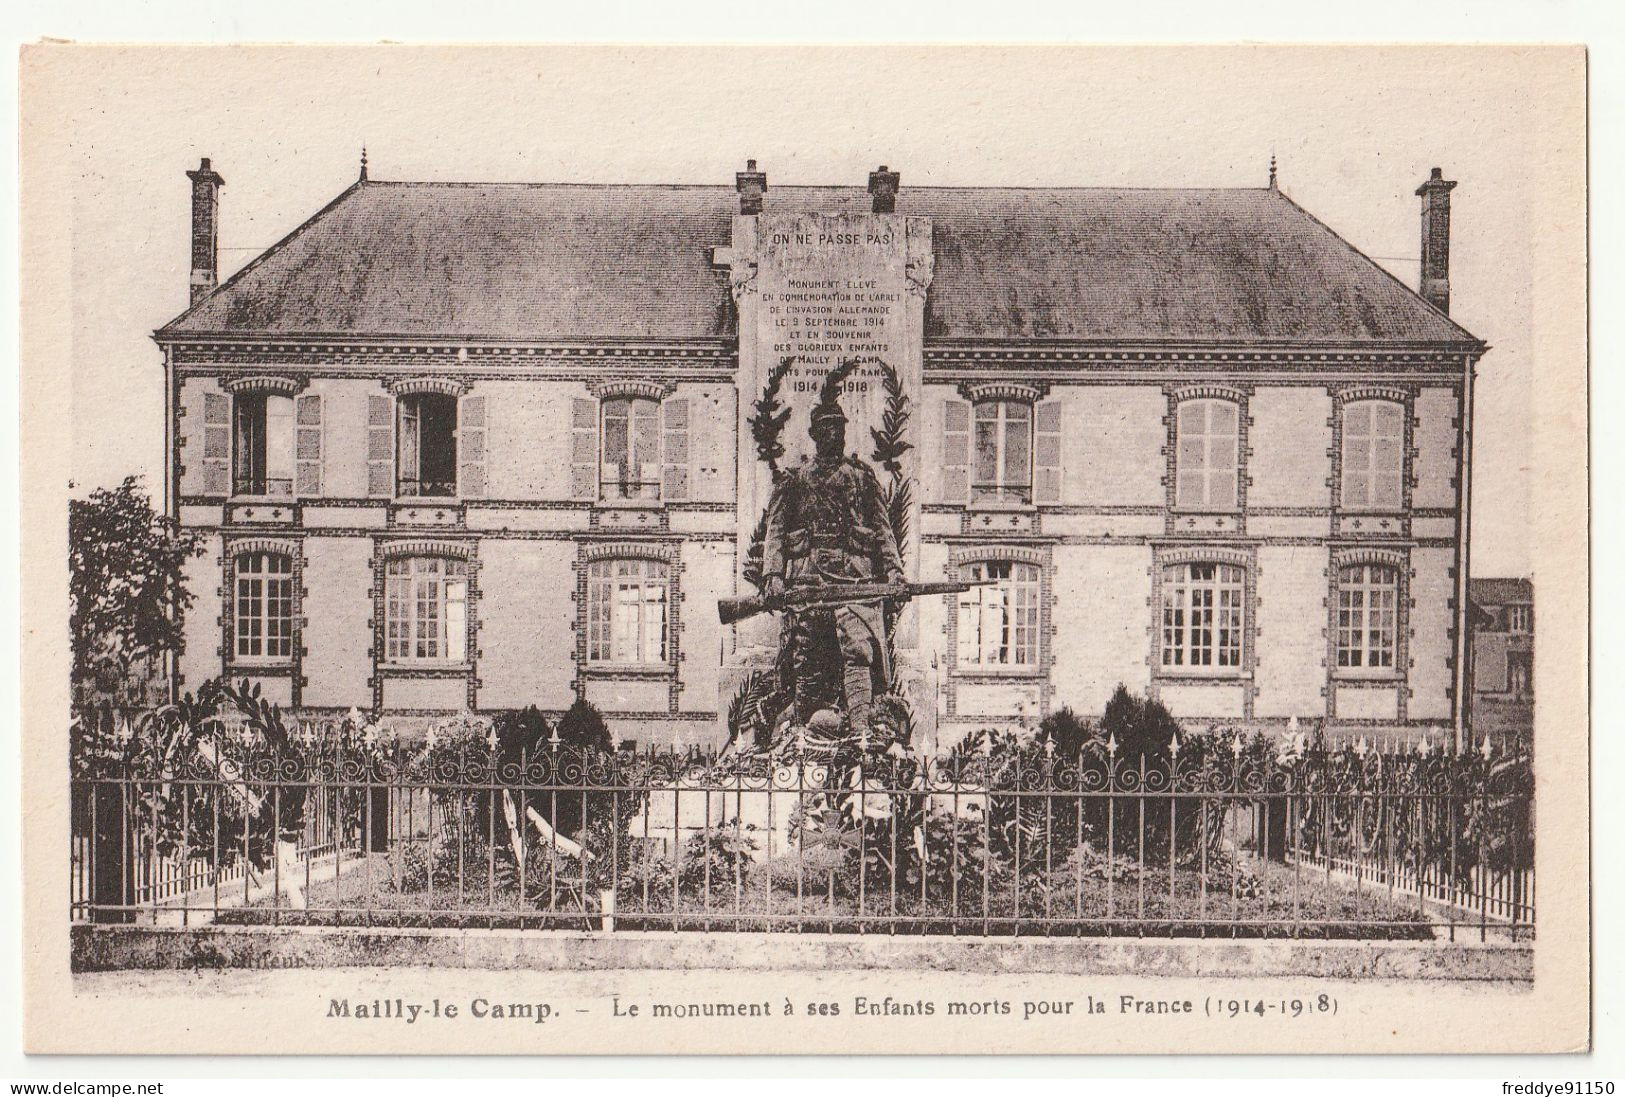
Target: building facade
(475,447)
(1503,632)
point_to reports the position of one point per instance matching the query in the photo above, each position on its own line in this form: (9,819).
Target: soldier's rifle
(731,610)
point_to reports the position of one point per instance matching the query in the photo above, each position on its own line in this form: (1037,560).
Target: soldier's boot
(859,696)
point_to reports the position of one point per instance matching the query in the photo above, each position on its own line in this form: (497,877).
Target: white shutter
(380,446)
(1190,461)
(308,445)
(1387,440)
(471,436)
(216,444)
(1047,452)
(674,449)
(583,449)
(955,451)
(1224,455)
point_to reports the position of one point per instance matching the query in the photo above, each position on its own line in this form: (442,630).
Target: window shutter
(380,446)
(583,449)
(216,443)
(307,453)
(955,451)
(1047,452)
(1387,440)
(471,447)
(674,449)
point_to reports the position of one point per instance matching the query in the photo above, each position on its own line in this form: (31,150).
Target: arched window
(1367,617)
(263,615)
(1004,452)
(264,444)
(998,624)
(1207,447)
(630,460)
(626,612)
(426,609)
(427,453)
(1373,454)
(1203,616)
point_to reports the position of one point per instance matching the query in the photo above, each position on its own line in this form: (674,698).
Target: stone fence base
(118,948)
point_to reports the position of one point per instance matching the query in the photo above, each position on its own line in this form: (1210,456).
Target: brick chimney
(1435,280)
(751,185)
(883,187)
(205,229)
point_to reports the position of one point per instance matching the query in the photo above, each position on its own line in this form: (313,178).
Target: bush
(582,728)
(719,859)
(1067,730)
(1142,727)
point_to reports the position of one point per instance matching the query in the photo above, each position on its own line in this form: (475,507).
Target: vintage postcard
(865,550)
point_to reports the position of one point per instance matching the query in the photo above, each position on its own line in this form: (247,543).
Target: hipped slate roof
(561,262)
(1500,592)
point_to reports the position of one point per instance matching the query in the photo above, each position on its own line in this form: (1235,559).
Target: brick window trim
(664,552)
(1181,394)
(1244,557)
(385,550)
(1397,558)
(232,550)
(1344,395)
(632,387)
(1025,392)
(264,384)
(442,386)
(1039,670)
(394,549)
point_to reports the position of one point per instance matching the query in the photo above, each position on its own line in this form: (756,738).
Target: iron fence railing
(999,837)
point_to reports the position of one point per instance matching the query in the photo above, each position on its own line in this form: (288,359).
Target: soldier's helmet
(828,412)
(828,408)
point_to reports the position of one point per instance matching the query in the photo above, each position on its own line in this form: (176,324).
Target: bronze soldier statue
(827,528)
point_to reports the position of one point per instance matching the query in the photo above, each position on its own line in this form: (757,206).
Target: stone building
(1503,638)
(478,446)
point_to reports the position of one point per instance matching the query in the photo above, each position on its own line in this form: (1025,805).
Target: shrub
(582,728)
(718,859)
(1142,727)
(1067,731)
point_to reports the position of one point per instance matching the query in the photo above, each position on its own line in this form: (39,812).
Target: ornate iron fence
(1215,835)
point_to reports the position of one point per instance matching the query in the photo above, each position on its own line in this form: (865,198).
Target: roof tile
(555,261)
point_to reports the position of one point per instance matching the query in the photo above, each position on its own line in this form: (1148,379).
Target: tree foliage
(1142,726)
(582,727)
(126,589)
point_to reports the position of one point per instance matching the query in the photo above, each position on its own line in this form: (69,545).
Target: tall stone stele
(818,288)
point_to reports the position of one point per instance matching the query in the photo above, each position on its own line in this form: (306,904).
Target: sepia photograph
(890,550)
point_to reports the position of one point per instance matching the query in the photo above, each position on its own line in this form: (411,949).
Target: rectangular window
(264,607)
(426,610)
(998,624)
(1003,452)
(1207,443)
(1367,617)
(264,444)
(1203,616)
(631,449)
(626,612)
(1373,447)
(1520,618)
(427,449)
